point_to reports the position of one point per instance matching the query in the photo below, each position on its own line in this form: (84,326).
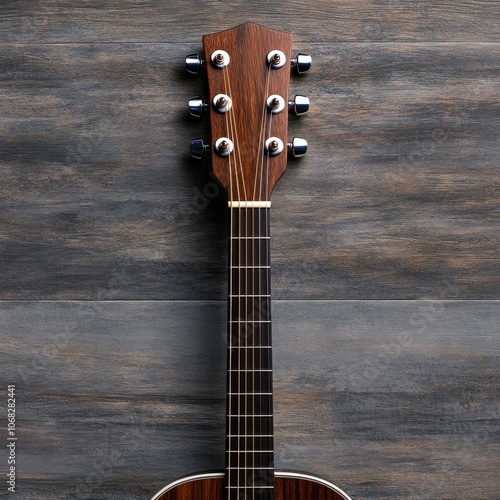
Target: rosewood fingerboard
(249,437)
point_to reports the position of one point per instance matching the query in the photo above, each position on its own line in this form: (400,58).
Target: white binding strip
(298,475)
(187,479)
(249,204)
(220,475)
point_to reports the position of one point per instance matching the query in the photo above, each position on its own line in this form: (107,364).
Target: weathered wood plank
(389,400)
(397,198)
(25,21)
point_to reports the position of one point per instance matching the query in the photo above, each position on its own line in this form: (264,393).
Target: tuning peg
(298,147)
(302,63)
(193,63)
(300,105)
(197,106)
(198,148)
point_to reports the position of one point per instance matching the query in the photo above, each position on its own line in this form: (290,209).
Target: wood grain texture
(245,175)
(386,399)
(396,199)
(25,21)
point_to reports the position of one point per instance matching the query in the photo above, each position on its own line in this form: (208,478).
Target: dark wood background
(395,206)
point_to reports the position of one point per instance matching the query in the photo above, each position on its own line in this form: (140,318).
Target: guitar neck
(249,444)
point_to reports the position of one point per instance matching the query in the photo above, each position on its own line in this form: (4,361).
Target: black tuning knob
(198,148)
(302,63)
(193,63)
(300,104)
(298,147)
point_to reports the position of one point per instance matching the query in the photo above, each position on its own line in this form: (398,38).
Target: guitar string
(233,133)
(268,275)
(230,317)
(262,130)
(258,243)
(242,229)
(263,127)
(256,262)
(265,242)
(260,281)
(230,132)
(233,337)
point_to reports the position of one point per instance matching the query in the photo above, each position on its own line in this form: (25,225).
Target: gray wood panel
(320,20)
(388,399)
(397,198)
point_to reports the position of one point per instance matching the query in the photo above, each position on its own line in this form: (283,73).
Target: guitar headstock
(248,69)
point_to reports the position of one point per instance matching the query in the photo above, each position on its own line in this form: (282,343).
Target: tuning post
(194,63)
(198,148)
(274,146)
(222,103)
(298,147)
(197,106)
(302,63)
(275,104)
(220,59)
(224,146)
(299,105)
(276,59)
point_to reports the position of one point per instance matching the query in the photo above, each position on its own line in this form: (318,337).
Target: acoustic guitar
(248,70)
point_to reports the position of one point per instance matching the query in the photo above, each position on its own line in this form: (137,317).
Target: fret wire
(249,435)
(253,451)
(251,347)
(251,468)
(247,416)
(247,296)
(250,267)
(247,321)
(252,371)
(249,393)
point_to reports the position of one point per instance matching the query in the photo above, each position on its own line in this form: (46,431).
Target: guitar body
(287,486)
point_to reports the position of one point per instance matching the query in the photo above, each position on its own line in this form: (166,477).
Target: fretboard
(249,442)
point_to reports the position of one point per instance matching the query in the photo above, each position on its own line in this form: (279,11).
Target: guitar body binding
(287,486)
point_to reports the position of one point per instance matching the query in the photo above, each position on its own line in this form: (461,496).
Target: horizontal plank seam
(398,301)
(328,43)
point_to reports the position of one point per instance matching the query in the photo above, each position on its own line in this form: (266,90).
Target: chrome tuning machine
(299,105)
(194,63)
(298,147)
(302,63)
(197,106)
